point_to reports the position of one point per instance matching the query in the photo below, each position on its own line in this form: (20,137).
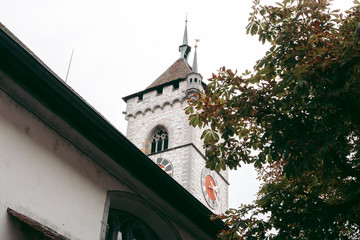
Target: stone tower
(158,125)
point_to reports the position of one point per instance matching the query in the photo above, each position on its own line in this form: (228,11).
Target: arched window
(128,216)
(159,141)
(125,226)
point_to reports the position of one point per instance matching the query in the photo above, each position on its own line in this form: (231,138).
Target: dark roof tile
(178,70)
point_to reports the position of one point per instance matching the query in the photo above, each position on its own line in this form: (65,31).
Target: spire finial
(194,67)
(185,48)
(196,41)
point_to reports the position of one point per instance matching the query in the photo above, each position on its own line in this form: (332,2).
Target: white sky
(121,47)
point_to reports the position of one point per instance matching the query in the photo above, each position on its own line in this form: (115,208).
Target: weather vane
(196,41)
(186,18)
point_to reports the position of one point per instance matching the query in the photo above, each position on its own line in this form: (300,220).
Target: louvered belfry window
(160,141)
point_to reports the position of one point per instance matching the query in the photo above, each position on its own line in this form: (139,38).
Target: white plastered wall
(46,178)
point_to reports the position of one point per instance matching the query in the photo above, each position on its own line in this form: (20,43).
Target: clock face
(165,165)
(210,188)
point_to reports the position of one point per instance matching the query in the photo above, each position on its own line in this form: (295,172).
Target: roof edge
(42,229)
(152,89)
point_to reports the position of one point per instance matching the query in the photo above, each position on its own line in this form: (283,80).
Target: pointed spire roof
(194,66)
(185,38)
(185,49)
(178,70)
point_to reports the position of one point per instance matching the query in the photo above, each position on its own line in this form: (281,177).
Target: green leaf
(254,29)
(218,167)
(258,164)
(189,110)
(262,157)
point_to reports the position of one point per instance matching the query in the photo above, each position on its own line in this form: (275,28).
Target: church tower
(158,125)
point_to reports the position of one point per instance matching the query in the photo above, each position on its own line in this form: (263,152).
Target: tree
(296,118)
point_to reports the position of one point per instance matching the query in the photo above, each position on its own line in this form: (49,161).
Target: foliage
(296,119)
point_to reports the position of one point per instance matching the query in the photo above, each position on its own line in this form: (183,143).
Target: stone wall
(167,110)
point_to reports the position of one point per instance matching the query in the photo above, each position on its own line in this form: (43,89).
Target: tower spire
(185,38)
(194,66)
(185,49)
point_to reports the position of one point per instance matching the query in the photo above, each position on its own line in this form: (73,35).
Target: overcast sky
(121,47)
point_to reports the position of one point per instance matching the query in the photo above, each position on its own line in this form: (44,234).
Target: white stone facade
(185,150)
(44,176)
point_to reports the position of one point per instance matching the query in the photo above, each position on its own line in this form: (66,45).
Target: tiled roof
(43,231)
(178,70)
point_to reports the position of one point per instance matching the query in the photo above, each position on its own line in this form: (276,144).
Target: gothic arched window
(159,141)
(125,226)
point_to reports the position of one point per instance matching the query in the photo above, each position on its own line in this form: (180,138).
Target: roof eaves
(39,228)
(152,89)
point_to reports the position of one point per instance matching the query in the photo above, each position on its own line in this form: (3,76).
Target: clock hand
(214,188)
